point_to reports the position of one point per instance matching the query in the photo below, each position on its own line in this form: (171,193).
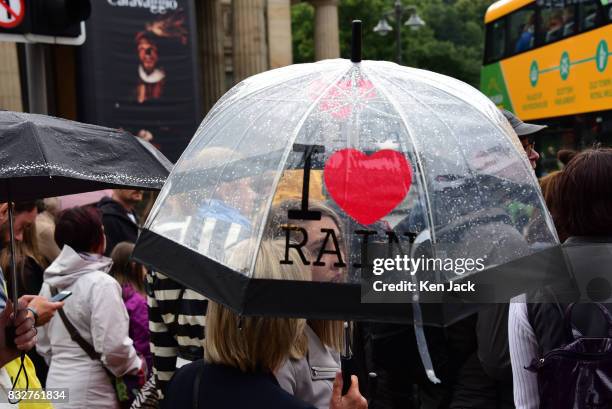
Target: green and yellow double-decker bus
(549,61)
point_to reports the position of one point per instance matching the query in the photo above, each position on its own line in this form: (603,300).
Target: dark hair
(584,194)
(79,228)
(549,185)
(565,155)
(124,270)
(24,206)
(146,35)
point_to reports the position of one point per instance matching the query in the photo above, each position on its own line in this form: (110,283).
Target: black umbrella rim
(281,298)
(8,194)
(342,301)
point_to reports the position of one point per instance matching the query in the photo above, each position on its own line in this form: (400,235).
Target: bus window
(569,20)
(522,29)
(588,15)
(496,40)
(556,22)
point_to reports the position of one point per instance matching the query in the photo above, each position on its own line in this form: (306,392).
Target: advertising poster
(138,70)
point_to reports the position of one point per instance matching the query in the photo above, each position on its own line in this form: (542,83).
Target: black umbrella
(43,156)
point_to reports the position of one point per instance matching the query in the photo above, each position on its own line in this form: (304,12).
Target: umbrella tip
(356,42)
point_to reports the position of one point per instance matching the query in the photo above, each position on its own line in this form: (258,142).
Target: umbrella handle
(14,293)
(419,332)
(347,356)
(346,350)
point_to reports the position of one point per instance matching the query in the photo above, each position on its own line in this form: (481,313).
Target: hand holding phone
(45,308)
(61,296)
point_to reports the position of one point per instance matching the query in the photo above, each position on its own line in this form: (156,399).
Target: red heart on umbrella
(366,187)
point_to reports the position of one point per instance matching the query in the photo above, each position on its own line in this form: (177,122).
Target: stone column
(10,86)
(249,38)
(327,36)
(280,47)
(210,31)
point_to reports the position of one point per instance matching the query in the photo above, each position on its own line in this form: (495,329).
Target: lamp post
(414,22)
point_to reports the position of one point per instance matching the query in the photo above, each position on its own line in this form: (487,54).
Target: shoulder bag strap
(196,387)
(74,333)
(568,319)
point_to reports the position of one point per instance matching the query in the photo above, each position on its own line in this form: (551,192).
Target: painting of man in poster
(142,61)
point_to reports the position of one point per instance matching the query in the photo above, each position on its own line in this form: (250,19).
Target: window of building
(496,40)
(522,30)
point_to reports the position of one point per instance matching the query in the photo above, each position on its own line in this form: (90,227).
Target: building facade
(236,39)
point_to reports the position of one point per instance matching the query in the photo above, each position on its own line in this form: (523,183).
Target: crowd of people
(131,337)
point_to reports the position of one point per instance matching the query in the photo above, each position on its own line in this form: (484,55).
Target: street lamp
(414,22)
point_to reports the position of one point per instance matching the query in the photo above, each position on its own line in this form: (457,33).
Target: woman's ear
(102,247)
(143,273)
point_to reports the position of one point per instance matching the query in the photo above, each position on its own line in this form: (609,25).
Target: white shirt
(523,350)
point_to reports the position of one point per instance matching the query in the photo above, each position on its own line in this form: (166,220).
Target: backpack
(579,373)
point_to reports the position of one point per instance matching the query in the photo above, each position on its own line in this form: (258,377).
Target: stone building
(237,39)
(246,37)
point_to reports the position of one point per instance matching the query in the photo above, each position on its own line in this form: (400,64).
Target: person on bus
(555,26)
(568,21)
(525,40)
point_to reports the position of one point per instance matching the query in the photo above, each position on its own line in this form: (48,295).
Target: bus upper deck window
(556,22)
(522,30)
(588,15)
(496,41)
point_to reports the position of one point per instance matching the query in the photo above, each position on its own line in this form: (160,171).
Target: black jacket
(118,226)
(546,308)
(471,357)
(224,387)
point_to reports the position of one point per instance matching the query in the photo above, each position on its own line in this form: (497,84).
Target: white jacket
(97,311)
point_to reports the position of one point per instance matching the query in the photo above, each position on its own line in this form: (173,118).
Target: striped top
(3,290)
(177,317)
(523,350)
(215,229)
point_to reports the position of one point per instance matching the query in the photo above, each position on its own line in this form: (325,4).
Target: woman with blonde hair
(29,261)
(242,353)
(309,373)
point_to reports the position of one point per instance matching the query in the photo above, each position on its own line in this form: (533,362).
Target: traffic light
(45,21)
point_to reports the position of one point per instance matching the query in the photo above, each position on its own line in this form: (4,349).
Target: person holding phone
(20,326)
(25,332)
(95,311)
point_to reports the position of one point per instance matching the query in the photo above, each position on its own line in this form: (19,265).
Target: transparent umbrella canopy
(301,178)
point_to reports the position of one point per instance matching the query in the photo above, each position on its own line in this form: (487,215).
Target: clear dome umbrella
(342,172)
